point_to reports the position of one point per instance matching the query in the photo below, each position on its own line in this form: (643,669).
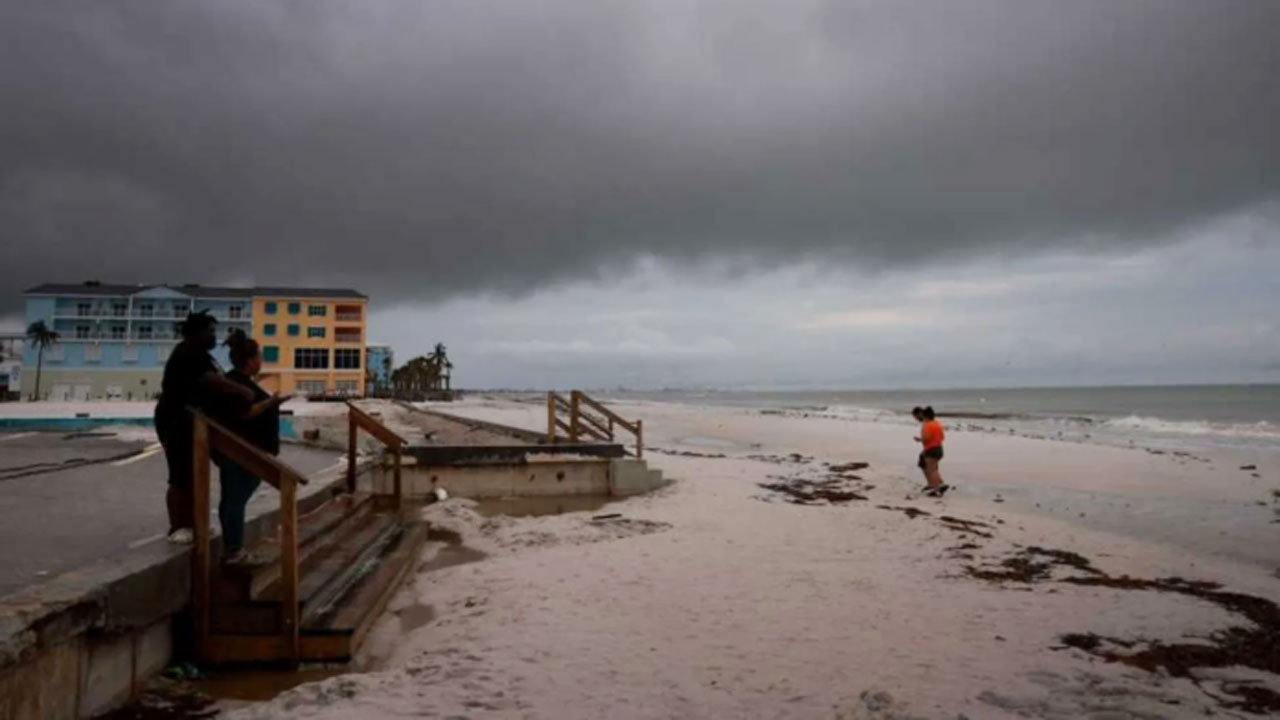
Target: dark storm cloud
(420,149)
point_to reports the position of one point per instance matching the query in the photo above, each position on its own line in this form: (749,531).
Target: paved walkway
(66,500)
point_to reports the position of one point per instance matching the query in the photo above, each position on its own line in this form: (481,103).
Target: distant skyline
(678,193)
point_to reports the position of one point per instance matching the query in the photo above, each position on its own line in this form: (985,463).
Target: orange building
(312,340)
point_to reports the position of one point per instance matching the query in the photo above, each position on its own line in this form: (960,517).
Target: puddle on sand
(415,616)
(451,556)
(233,688)
(540,505)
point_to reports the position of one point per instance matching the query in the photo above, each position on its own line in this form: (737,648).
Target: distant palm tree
(439,359)
(40,336)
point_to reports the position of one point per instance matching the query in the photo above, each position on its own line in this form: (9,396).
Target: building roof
(107,290)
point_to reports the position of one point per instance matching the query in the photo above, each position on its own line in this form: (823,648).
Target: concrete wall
(87,675)
(87,641)
(536,477)
(573,477)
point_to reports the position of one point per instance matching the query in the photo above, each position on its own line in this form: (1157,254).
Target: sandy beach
(1040,587)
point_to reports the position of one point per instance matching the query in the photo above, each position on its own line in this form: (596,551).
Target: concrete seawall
(87,640)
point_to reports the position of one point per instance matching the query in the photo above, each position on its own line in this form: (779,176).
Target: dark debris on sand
(849,467)
(796,458)
(970,527)
(688,453)
(1033,564)
(910,512)
(1256,647)
(800,491)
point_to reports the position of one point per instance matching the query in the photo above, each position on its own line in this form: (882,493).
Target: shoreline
(719,598)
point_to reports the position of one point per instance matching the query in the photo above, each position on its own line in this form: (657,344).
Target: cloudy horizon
(678,194)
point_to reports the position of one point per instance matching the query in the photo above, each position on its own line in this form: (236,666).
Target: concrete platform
(68,500)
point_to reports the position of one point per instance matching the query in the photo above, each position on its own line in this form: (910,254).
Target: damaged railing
(582,423)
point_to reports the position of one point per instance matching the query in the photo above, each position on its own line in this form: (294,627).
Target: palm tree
(439,359)
(40,336)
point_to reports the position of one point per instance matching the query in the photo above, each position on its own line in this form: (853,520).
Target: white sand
(716,599)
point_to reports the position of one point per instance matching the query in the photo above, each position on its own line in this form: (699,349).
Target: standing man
(191,378)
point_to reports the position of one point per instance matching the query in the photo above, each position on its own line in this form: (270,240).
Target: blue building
(380,359)
(115,339)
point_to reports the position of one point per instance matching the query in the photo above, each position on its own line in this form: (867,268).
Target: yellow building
(312,340)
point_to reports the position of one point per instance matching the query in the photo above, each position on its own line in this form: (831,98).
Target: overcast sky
(724,193)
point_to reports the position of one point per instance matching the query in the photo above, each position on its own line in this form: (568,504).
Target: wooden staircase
(325,577)
(582,417)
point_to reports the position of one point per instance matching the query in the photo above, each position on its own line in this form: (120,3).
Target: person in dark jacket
(191,379)
(258,422)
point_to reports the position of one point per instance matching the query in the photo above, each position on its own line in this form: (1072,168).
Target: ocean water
(1175,416)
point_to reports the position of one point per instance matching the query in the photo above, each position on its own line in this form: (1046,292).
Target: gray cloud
(421,150)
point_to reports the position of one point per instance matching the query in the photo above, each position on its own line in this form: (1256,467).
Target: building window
(269,329)
(130,354)
(235,312)
(317,310)
(270,354)
(84,309)
(117,332)
(311,358)
(180,311)
(146,310)
(119,309)
(144,332)
(269,308)
(347,313)
(346,359)
(346,335)
(310,387)
(347,387)
(295,308)
(82,332)
(315,332)
(293,331)
(93,353)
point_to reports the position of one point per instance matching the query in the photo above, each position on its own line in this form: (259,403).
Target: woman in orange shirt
(931,438)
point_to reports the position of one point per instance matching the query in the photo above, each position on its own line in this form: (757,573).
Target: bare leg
(931,474)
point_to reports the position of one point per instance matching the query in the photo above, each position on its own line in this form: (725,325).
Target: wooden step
(314,530)
(351,616)
(335,634)
(331,563)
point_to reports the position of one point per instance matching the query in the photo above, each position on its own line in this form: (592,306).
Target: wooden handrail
(357,420)
(209,434)
(582,397)
(581,423)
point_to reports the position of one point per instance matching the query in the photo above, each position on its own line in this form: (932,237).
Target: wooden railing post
(639,438)
(289,616)
(395,449)
(351,452)
(200,563)
(574,407)
(551,418)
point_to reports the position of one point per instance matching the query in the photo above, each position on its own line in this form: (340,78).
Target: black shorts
(933,452)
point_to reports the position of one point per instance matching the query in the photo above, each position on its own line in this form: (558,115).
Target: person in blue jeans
(257,422)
